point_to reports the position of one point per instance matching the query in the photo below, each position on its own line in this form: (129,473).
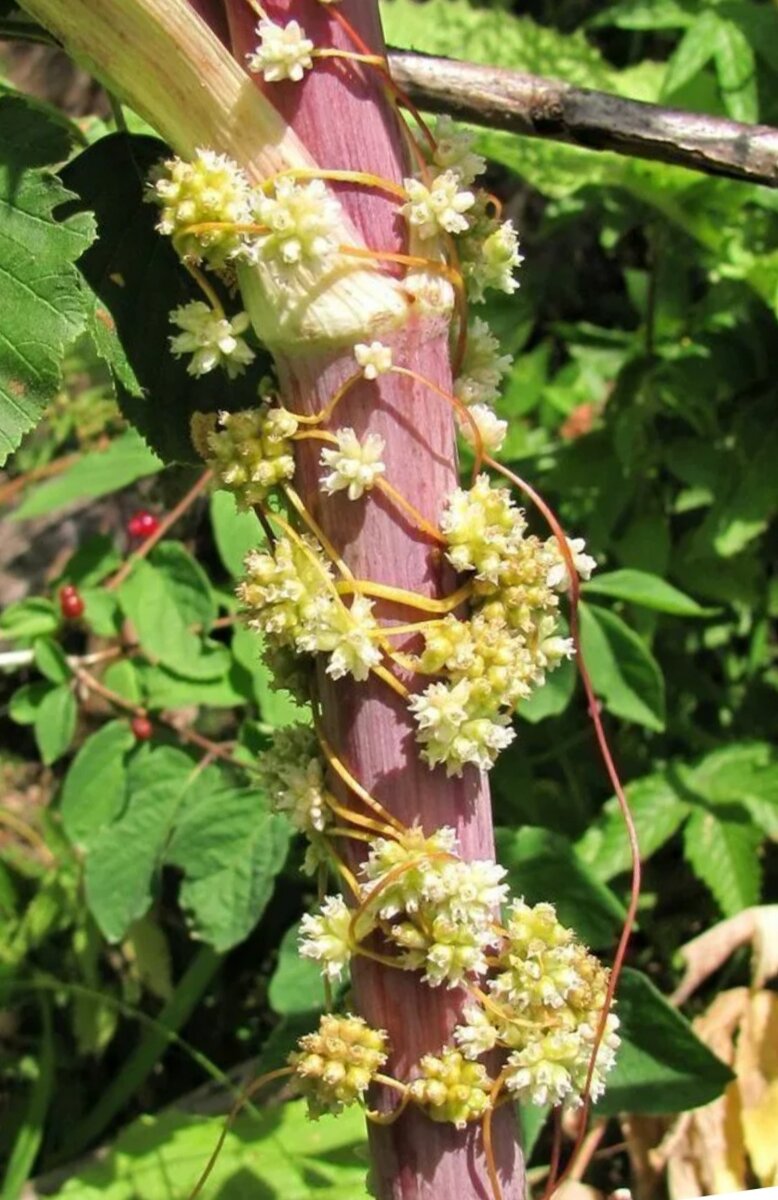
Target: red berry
(70,603)
(142,728)
(142,524)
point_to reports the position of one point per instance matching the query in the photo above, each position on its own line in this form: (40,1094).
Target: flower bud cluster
(292,773)
(209,190)
(249,452)
(336,1064)
(292,600)
(498,656)
(354,466)
(452,1089)
(283,52)
(478,386)
(212,339)
(488,253)
(545,1000)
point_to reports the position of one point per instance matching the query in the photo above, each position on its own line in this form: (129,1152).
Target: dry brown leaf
(706,953)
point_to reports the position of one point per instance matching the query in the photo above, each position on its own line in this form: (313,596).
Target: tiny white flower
(326,936)
(482,366)
(283,52)
(354,651)
(301,219)
(375,359)
(439,208)
(491,429)
(212,340)
(355,466)
(559,575)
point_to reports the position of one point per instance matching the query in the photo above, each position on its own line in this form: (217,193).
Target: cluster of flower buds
(336,1064)
(496,657)
(292,772)
(249,452)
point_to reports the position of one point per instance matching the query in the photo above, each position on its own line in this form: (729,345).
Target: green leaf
(736,70)
(723,852)
(186,581)
(623,671)
(41,295)
(658,811)
(280,1155)
(644,14)
(101,612)
(138,278)
(163,688)
(50,660)
(55,722)
(230,848)
(553,697)
(29,618)
(26,700)
(743,774)
(661,1066)
(122,677)
(125,460)
(158,601)
(296,985)
(696,48)
(94,558)
(94,789)
(125,857)
(545,866)
(649,591)
(235,532)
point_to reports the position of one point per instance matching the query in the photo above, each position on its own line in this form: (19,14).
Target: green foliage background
(151,945)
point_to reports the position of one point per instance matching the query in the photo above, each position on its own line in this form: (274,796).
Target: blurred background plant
(149,898)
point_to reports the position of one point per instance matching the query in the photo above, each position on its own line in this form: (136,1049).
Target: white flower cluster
(439,206)
(301,221)
(212,340)
(478,386)
(374,359)
(547,996)
(292,600)
(497,657)
(489,254)
(283,52)
(354,466)
(454,151)
(287,222)
(249,452)
(437,910)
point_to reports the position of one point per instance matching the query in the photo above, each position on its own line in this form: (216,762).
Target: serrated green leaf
(150,597)
(138,278)
(644,14)
(50,660)
(279,1155)
(736,70)
(55,722)
(661,1066)
(658,811)
(696,48)
(187,583)
(93,792)
(26,700)
(722,849)
(235,532)
(125,460)
(744,774)
(162,688)
(125,856)
(230,848)
(41,296)
(623,671)
(544,866)
(649,591)
(29,618)
(296,985)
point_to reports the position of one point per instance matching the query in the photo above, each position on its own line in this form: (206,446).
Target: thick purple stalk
(342,114)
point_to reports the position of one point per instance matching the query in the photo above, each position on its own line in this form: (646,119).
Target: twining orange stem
(613,775)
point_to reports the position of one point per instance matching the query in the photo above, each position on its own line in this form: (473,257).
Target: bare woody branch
(547,108)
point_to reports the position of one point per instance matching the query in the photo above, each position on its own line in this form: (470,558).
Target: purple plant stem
(341,113)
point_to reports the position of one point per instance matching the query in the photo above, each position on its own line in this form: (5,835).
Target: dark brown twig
(548,108)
